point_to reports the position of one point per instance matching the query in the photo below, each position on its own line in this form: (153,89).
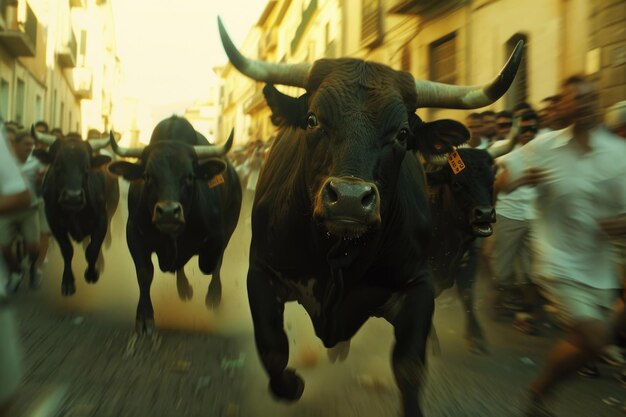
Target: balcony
(307,16)
(83,83)
(66,52)
(77,3)
(267,43)
(371,24)
(19,38)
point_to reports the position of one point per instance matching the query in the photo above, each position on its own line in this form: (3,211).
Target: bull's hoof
(288,386)
(339,351)
(213,298)
(91,275)
(185,291)
(144,326)
(68,288)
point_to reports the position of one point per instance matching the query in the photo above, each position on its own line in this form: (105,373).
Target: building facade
(463,42)
(58,63)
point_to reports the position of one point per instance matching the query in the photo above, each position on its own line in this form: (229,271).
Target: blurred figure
(549,118)
(504,121)
(14,196)
(44,229)
(26,221)
(489,125)
(57,132)
(615,118)
(581,207)
(511,250)
(474,123)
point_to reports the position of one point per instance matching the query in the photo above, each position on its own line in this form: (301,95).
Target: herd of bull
(361,208)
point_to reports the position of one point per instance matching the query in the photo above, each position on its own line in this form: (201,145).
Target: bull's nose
(347,199)
(168,211)
(484,214)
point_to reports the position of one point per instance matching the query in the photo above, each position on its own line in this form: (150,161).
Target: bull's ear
(126,169)
(286,110)
(210,168)
(99,160)
(438,177)
(438,137)
(43,156)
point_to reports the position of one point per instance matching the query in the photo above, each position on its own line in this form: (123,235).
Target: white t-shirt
(518,204)
(581,188)
(30,169)
(11,182)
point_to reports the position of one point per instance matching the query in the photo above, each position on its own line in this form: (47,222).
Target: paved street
(203,363)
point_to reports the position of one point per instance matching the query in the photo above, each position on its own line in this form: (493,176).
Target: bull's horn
(44,138)
(210,151)
(129,152)
(286,74)
(97,144)
(433,94)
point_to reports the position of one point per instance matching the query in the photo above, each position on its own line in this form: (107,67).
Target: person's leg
(586,311)
(31,233)
(44,238)
(507,239)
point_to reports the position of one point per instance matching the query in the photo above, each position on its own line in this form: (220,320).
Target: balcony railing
(77,3)
(416,7)
(307,15)
(66,52)
(83,83)
(20,38)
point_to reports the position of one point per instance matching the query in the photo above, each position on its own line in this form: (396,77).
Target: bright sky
(168,47)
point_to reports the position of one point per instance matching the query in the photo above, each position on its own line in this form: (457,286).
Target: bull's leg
(93,251)
(185,291)
(144,322)
(214,293)
(466,277)
(68,287)
(412,323)
(267,308)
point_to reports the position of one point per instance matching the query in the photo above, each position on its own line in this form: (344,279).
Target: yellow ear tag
(455,162)
(216,180)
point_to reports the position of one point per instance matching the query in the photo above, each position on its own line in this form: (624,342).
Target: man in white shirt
(14,196)
(579,176)
(512,230)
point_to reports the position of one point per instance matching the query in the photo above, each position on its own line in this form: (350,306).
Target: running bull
(74,198)
(460,188)
(341,221)
(184,200)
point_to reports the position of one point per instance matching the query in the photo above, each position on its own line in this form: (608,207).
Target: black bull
(461,203)
(340,221)
(184,200)
(75,199)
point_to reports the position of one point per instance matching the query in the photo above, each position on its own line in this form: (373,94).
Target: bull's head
(71,160)
(470,191)
(170,169)
(357,118)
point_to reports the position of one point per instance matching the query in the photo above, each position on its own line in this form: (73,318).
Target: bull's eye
(311,121)
(403,135)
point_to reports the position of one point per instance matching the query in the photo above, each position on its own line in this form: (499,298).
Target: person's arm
(14,202)
(505,184)
(614,227)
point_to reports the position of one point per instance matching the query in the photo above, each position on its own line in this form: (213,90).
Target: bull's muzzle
(481,218)
(348,206)
(72,199)
(168,216)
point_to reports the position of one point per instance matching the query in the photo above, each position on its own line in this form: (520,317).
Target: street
(203,363)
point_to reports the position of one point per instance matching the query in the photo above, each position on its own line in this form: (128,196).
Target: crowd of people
(556,253)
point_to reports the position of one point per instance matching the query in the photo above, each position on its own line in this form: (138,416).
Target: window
(4,99)
(405,60)
(443,60)
(518,92)
(20,96)
(83,48)
(371,24)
